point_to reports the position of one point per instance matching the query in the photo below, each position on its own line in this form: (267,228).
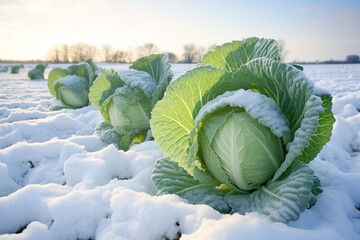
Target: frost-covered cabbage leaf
(37,72)
(239,131)
(71,85)
(126,98)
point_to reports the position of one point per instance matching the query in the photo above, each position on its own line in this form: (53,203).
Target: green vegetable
(15,69)
(71,85)
(37,72)
(125,99)
(239,130)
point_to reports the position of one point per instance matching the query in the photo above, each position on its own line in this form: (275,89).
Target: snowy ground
(59,181)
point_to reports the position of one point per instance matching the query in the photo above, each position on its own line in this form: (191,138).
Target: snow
(59,181)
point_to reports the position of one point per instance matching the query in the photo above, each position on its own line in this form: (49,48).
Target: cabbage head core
(242,151)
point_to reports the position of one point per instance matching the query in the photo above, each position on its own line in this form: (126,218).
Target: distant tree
(107,53)
(59,53)
(65,53)
(190,53)
(82,51)
(352,59)
(54,54)
(118,56)
(146,49)
(199,52)
(129,55)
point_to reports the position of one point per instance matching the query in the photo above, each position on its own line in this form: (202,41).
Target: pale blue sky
(311,29)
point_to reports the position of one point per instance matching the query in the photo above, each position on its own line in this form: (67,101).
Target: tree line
(64,53)
(350,59)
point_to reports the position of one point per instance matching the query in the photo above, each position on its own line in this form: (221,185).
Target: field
(59,181)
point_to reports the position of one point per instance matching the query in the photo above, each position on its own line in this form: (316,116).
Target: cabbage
(37,72)
(15,69)
(71,85)
(126,98)
(239,131)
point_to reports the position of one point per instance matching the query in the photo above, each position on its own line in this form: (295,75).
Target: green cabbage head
(15,69)
(71,85)
(37,72)
(239,131)
(126,98)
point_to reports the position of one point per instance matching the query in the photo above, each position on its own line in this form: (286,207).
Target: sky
(311,30)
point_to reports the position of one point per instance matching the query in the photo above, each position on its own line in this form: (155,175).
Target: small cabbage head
(15,69)
(71,90)
(71,85)
(37,72)
(126,99)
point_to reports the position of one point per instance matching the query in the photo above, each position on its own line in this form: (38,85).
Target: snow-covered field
(59,181)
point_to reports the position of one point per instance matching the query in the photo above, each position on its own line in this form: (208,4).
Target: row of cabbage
(36,73)
(238,130)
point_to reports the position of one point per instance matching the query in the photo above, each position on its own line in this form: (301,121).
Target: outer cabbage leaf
(281,200)
(83,70)
(139,80)
(322,134)
(103,87)
(108,135)
(55,74)
(303,134)
(159,68)
(93,66)
(170,178)
(294,95)
(173,116)
(287,85)
(230,56)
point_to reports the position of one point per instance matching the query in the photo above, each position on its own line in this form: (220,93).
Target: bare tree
(189,53)
(129,55)
(65,53)
(54,54)
(352,59)
(199,52)
(118,56)
(82,51)
(146,49)
(107,53)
